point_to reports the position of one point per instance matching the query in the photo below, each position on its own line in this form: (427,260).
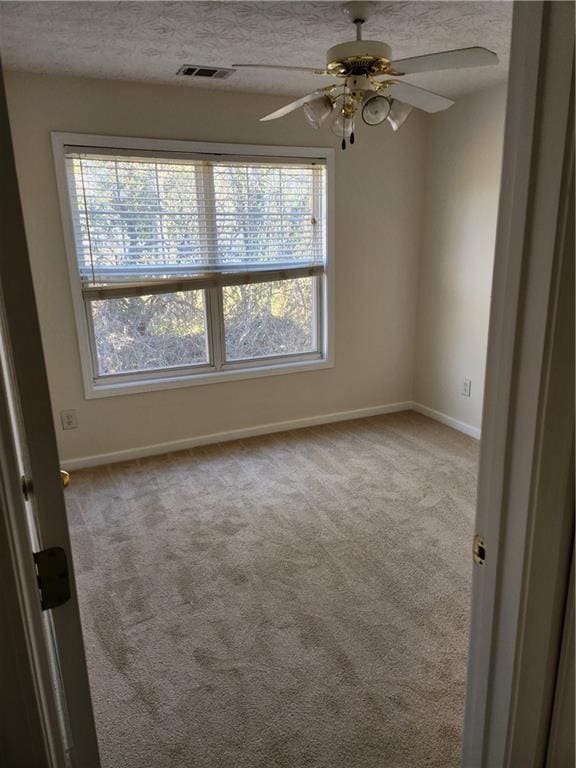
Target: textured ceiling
(149,41)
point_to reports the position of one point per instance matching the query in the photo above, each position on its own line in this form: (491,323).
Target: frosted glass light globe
(317,111)
(398,114)
(375,110)
(342,126)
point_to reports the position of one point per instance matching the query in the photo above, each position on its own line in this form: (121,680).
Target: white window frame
(199,374)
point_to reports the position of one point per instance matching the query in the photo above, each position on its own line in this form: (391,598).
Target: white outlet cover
(69,419)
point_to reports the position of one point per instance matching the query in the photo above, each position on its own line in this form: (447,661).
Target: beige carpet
(287,601)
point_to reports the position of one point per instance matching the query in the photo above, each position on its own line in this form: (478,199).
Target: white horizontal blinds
(150,218)
(267,215)
(134,217)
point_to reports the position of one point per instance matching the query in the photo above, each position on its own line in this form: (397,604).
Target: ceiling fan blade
(310,70)
(458,59)
(419,98)
(287,108)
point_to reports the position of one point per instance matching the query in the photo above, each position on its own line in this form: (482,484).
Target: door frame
(54,659)
(510,508)
(561,747)
(30,727)
(525,486)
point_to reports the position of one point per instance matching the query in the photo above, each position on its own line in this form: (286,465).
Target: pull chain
(344,119)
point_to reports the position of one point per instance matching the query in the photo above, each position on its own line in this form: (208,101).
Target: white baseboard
(234,434)
(461,426)
(265,429)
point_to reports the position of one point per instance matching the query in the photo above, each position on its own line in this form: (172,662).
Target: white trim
(233,434)
(171,446)
(91,140)
(527,425)
(16,546)
(561,740)
(95,386)
(443,418)
(232,372)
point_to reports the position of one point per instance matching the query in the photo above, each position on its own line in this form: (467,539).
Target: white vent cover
(195,70)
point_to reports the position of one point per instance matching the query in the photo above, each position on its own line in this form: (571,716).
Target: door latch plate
(52,576)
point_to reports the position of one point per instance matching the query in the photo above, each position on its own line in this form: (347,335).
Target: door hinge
(52,576)
(479,549)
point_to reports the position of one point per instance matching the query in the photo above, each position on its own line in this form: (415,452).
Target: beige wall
(463,158)
(378,211)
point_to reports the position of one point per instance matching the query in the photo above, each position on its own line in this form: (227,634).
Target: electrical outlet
(69,419)
(466,387)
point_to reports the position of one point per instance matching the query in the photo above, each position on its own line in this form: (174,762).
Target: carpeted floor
(291,601)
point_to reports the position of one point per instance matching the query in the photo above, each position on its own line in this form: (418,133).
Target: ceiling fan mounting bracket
(358,12)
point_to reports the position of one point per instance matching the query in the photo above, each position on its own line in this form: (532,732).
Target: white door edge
(501,729)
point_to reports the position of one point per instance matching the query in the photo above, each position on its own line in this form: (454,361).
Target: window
(192,264)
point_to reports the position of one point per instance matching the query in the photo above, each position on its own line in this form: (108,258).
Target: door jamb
(561,742)
(35,721)
(527,552)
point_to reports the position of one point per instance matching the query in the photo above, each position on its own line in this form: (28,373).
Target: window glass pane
(141,333)
(276,318)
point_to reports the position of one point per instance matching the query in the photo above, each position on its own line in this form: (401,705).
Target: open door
(33,506)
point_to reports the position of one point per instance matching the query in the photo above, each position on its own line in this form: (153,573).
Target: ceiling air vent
(214,73)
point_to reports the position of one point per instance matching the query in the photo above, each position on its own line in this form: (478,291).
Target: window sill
(97,390)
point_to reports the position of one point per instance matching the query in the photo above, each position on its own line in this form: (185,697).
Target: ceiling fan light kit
(359,65)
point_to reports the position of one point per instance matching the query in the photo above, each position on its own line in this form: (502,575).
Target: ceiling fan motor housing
(359,57)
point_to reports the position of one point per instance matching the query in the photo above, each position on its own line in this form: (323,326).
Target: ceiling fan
(360,65)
